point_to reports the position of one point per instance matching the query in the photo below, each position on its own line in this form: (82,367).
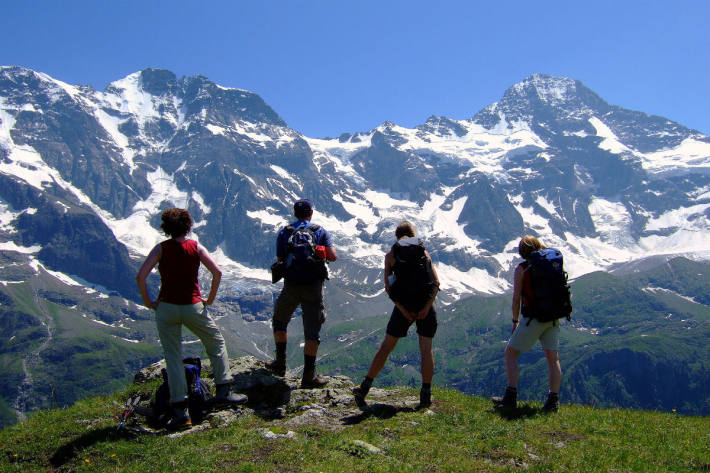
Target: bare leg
(381,356)
(553,363)
(310,347)
(280,336)
(425,348)
(511,366)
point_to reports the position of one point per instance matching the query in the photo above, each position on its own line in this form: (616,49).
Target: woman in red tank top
(180,303)
(178,261)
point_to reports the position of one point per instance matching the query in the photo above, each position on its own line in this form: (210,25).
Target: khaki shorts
(525,335)
(310,298)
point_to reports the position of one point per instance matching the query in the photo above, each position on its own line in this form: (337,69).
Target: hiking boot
(277,366)
(509,399)
(360,392)
(552,404)
(311,380)
(226,396)
(425,398)
(179,419)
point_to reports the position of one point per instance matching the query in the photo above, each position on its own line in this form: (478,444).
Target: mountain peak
(158,81)
(544,99)
(16,71)
(548,89)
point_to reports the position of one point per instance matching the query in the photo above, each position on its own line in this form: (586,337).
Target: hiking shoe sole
(359,395)
(233,400)
(551,408)
(424,399)
(180,425)
(314,383)
(498,402)
(276,368)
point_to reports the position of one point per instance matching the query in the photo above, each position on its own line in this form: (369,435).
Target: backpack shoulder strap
(396,249)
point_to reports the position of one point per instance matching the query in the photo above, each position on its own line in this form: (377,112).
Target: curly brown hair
(528,244)
(405,229)
(176,222)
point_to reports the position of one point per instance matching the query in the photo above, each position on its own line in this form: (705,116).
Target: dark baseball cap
(302,206)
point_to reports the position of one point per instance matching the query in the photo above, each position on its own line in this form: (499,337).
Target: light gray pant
(170,318)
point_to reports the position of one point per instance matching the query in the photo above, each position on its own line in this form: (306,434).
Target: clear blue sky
(333,66)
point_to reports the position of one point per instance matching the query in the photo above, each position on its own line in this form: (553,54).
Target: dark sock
(426,386)
(280,350)
(366,383)
(511,388)
(309,362)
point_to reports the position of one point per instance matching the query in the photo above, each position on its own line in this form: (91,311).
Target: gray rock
(370,448)
(149,373)
(267,434)
(280,400)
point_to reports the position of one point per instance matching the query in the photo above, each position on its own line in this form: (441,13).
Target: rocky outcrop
(282,401)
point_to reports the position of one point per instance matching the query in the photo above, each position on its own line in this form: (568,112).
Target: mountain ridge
(84,175)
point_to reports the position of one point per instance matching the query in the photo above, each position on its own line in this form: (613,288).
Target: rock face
(550,158)
(284,402)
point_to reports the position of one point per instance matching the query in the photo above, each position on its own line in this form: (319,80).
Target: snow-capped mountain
(85,174)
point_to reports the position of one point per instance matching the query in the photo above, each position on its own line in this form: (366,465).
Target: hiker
(302,250)
(412,284)
(537,324)
(180,303)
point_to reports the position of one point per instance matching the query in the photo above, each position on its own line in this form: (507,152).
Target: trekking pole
(128,411)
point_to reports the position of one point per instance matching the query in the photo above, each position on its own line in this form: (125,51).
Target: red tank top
(178,266)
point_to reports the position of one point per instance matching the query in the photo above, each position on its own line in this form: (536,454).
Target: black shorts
(398,325)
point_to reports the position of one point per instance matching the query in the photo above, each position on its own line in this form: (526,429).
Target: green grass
(82,359)
(464,434)
(7,415)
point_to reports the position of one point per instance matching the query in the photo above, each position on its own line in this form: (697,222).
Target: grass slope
(460,433)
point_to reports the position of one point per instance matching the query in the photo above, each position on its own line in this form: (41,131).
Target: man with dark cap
(304,248)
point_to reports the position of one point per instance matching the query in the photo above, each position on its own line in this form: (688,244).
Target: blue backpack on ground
(550,297)
(302,266)
(199,399)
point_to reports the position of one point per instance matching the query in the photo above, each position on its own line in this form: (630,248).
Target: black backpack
(414,282)
(550,298)
(199,399)
(302,266)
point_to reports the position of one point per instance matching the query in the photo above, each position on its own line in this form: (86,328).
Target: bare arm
(517,293)
(143,273)
(213,268)
(330,253)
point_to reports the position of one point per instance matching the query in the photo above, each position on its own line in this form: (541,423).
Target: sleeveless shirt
(178,267)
